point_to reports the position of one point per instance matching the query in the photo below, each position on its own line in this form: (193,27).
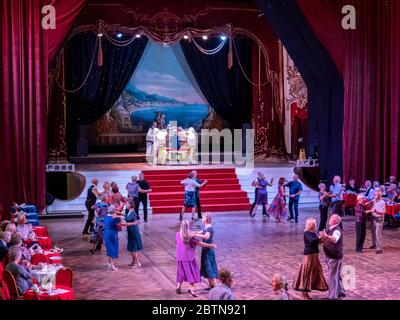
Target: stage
(252,249)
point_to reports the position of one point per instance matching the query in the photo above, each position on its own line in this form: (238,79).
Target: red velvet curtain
(24,56)
(369,61)
(23,86)
(67,13)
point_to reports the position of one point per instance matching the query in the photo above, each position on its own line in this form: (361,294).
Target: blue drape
(324,83)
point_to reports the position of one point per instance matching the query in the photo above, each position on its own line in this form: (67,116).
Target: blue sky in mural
(161,85)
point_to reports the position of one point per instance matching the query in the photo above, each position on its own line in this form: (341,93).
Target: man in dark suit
(198,204)
(91,198)
(146,188)
(5,238)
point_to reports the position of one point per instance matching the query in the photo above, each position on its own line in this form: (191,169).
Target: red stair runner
(222,192)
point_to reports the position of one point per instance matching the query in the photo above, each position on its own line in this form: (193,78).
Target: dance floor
(252,248)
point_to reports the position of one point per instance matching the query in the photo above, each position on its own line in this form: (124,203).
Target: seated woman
(11,227)
(24,229)
(21,273)
(17,242)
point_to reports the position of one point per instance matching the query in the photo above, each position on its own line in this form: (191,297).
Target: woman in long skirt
(209,269)
(310,276)
(187,269)
(134,240)
(111,222)
(278,205)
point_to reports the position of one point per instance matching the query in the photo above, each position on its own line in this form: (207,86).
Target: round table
(49,255)
(44,242)
(40,231)
(59,293)
(392,209)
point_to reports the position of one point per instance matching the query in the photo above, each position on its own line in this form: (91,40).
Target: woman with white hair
(23,228)
(310,276)
(187,269)
(324,203)
(209,269)
(280,285)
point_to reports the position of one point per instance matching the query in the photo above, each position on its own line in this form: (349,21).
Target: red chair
(38,258)
(1,272)
(4,293)
(10,283)
(64,277)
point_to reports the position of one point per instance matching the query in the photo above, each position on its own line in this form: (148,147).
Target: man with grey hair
(295,189)
(333,248)
(369,190)
(378,216)
(21,273)
(222,291)
(5,238)
(336,193)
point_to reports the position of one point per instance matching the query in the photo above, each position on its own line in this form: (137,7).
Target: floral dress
(278,205)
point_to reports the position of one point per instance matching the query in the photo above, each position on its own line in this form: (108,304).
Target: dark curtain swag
(104,84)
(369,62)
(226,90)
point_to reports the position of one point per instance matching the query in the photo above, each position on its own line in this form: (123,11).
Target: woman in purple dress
(278,205)
(187,269)
(262,195)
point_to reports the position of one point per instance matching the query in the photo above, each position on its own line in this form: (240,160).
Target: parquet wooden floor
(252,248)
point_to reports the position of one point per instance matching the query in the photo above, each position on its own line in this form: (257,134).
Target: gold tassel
(100,54)
(230,54)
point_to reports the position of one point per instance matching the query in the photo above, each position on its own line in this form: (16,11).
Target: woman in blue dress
(262,195)
(134,240)
(100,212)
(111,221)
(208,269)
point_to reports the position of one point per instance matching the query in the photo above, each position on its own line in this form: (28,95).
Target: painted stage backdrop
(159,87)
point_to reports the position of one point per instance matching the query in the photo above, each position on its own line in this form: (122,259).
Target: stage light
(185,37)
(119,35)
(100,35)
(204,37)
(223,38)
(138,35)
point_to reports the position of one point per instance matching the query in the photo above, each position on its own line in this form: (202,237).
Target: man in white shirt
(378,217)
(333,248)
(151,144)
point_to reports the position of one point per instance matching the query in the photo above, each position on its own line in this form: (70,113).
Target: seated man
(222,291)
(21,273)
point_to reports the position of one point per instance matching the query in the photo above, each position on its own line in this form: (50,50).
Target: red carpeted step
(180,188)
(178,182)
(173,176)
(186,171)
(204,208)
(179,202)
(203,194)
(222,193)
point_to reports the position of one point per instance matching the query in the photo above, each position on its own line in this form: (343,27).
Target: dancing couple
(187,268)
